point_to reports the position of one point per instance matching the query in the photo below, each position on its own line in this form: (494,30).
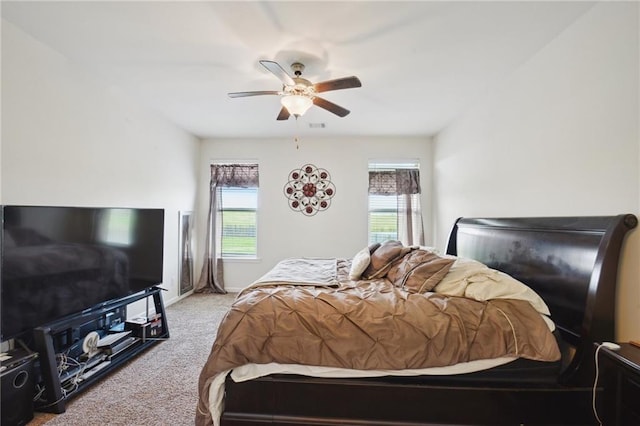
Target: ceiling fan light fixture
(296,104)
(299,94)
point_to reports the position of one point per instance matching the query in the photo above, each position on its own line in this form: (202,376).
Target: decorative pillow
(419,271)
(475,280)
(359,263)
(499,285)
(383,257)
(455,282)
(373,247)
(431,249)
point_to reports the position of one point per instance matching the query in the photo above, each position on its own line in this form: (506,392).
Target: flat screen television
(58,261)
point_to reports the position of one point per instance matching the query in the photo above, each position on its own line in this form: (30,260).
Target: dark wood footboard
(281,399)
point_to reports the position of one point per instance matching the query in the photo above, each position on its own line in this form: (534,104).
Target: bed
(538,370)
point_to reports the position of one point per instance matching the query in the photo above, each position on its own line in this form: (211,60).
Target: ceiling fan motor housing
(302,87)
(297,68)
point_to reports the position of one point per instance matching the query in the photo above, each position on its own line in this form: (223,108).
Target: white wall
(559,137)
(68,139)
(339,231)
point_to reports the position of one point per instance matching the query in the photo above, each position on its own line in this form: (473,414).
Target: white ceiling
(421,63)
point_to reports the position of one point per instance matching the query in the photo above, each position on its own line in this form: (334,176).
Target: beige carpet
(159,387)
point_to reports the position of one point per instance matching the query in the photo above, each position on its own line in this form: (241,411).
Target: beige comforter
(367,325)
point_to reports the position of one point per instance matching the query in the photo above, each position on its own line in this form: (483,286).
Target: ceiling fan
(298,94)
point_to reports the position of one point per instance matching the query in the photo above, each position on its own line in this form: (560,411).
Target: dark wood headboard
(571,262)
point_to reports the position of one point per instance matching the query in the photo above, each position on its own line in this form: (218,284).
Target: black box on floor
(18,388)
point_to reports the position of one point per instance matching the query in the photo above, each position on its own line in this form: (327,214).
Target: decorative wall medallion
(309,189)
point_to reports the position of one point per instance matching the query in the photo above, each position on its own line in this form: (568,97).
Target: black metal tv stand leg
(159,306)
(49,368)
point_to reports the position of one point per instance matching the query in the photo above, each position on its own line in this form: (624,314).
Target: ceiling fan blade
(256,93)
(284,114)
(279,72)
(330,106)
(337,84)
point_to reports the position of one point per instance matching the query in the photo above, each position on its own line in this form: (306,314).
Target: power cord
(610,346)
(69,384)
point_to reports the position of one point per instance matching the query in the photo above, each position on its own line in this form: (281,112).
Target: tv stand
(66,336)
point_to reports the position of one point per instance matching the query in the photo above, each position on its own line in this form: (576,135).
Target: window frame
(381,210)
(231,209)
(219,213)
(386,165)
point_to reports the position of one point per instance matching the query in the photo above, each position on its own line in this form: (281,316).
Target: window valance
(236,175)
(394,182)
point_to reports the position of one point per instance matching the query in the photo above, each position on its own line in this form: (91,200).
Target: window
(394,203)
(234,202)
(383,218)
(239,208)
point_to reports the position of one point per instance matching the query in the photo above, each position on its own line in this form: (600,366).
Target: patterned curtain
(235,175)
(394,182)
(222,175)
(405,184)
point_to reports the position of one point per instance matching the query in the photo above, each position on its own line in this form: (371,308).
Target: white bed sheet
(253,371)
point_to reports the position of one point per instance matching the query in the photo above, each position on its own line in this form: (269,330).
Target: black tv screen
(58,261)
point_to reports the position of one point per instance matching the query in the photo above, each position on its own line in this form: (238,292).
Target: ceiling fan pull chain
(295,138)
